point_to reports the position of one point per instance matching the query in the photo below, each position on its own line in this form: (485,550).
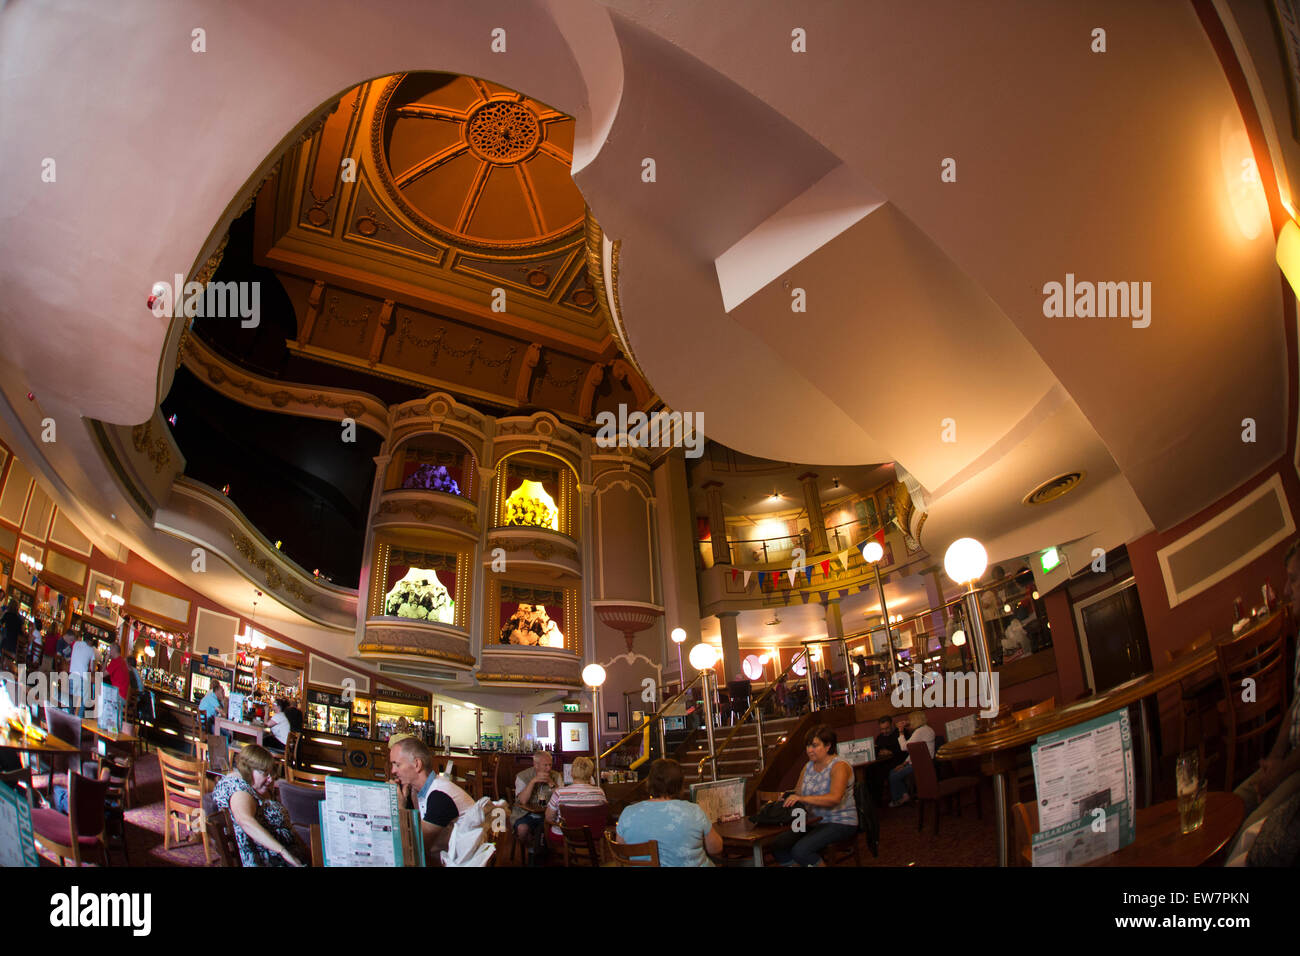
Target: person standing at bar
(11,624)
(83,656)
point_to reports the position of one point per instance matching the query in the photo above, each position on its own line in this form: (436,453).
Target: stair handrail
(649,721)
(740,723)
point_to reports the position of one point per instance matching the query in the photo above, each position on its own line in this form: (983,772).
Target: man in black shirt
(889,754)
(12,626)
(439,800)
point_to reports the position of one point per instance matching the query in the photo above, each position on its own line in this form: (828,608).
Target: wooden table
(91,726)
(1160,840)
(996,748)
(742,833)
(256,731)
(9,740)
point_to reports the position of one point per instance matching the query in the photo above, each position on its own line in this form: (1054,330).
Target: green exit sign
(1051,558)
(570,708)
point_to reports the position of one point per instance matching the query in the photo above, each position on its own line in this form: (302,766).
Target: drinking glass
(1191,807)
(1188,773)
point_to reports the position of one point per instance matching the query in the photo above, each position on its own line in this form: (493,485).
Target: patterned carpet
(144,824)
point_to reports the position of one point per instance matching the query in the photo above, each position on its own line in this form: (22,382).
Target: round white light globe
(703,656)
(593,675)
(958,637)
(678,635)
(965,560)
(872,552)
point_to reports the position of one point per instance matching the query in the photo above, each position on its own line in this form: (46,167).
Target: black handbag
(774,813)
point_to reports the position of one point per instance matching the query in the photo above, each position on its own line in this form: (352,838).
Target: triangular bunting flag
(880,536)
(776,577)
(844,556)
(790,574)
(747,574)
(735,572)
(805,596)
(826,568)
(844,592)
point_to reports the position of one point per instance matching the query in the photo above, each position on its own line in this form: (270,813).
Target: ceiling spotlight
(1035,595)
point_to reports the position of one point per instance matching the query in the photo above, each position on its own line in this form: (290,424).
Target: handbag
(774,813)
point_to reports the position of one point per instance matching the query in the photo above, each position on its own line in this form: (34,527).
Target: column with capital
(812,499)
(368,555)
(730,645)
(717,524)
(836,654)
(485,633)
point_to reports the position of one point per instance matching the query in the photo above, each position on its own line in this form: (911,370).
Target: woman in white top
(279,723)
(900,775)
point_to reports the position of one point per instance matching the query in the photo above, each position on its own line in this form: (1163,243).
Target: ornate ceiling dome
(477,164)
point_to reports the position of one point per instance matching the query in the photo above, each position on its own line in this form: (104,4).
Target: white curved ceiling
(927,306)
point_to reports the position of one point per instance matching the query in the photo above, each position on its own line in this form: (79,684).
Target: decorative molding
(275,579)
(416,640)
(426,511)
(155,448)
(514,664)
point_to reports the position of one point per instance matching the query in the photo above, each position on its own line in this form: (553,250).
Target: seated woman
(262,828)
(280,724)
(825,789)
(684,832)
(583,792)
(900,776)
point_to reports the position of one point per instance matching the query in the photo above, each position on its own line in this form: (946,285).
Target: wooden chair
(622,854)
(292,744)
(838,854)
(1258,656)
(930,789)
(579,848)
(115,804)
(68,835)
(184,784)
(67,728)
(221,834)
(1024,818)
(303,803)
(190,729)
(305,777)
(1196,695)
(1034,710)
(214,751)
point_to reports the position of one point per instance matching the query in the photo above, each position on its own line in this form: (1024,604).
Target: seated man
(439,800)
(532,792)
(213,705)
(902,774)
(889,754)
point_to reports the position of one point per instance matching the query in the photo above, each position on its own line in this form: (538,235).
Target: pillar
(934,595)
(730,645)
(812,499)
(717,524)
(676,526)
(833,654)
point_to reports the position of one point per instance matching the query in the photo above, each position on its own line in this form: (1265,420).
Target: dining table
(13,740)
(1160,840)
(996,746)
(745,835)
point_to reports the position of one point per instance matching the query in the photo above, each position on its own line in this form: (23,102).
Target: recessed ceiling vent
(1054,488)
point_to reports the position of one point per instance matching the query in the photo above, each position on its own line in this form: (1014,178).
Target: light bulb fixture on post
(703,657)
(965,561)
(679,638)
(872,552)
(593,675)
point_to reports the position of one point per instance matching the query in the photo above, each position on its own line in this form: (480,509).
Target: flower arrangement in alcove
(432,478)
(419,595)
(530,505)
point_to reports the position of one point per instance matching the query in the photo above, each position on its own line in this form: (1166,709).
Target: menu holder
(17,840)
(858,752)
(108,715)
(721,800)
(1084,782)
(362,824)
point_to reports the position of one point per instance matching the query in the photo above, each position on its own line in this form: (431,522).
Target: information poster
(17,841)
(857,752)
(721,800)
(959,728)
(1084,780)
(360,823)
(110,707)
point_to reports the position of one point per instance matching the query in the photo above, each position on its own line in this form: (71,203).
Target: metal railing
(658,715)
(715,753)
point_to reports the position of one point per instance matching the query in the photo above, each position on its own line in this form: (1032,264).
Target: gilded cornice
(258,392)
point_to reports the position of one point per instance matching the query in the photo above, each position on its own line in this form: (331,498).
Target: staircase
(741,758)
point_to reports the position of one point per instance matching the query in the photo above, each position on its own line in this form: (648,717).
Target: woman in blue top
(825,789)
(684,832)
